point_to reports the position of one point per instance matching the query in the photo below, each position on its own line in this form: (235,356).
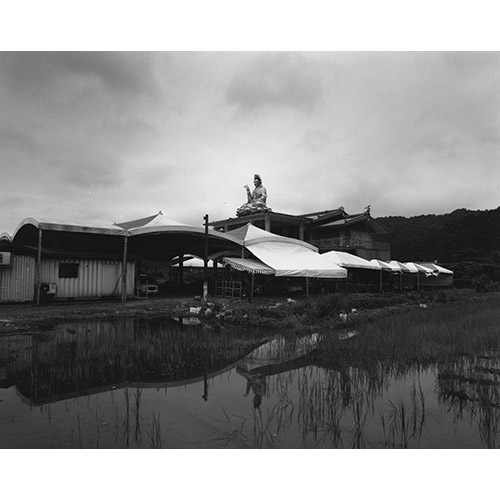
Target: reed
(235,430)
(155,432)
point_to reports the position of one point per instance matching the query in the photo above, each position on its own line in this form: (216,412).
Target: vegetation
(324,312)
(463,235)
(465,241)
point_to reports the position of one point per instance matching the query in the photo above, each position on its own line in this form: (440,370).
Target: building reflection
(72,359)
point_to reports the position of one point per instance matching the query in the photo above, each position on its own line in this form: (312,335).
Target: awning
(248,265)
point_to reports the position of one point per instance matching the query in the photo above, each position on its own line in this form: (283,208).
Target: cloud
(274,81)
(122,72)
(95,173)
(117,136)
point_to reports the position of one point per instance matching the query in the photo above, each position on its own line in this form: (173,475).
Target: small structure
(287,258)
(48,259)
(440,277)
(362,275)
(327,230)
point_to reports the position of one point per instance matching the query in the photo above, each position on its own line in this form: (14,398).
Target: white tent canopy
(293,260)
(418,268)
(397,266)
(436,267)
(344,259)
(288,257)
(381,264)
(250,234)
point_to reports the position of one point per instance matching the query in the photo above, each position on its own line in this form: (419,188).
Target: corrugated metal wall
(17,281)
(96,278)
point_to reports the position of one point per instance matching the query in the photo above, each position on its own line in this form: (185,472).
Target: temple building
(358,234)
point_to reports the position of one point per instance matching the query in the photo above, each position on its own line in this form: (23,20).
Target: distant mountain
(463,235)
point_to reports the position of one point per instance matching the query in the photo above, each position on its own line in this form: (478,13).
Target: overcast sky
(104,137)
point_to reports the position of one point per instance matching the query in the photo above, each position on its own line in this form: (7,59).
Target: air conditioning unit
(48,288)
(5,258)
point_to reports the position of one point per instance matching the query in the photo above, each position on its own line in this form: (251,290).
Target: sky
(101,137)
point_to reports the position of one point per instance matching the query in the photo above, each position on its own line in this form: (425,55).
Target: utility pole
(205,258)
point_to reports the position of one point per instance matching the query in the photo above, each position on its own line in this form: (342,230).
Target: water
(172,384)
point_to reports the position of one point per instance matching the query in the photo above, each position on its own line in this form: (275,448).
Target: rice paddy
(428,378)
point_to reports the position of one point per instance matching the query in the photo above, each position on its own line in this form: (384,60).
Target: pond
(174,383)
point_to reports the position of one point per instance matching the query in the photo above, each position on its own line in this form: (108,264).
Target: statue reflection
(277,356)
(255,381)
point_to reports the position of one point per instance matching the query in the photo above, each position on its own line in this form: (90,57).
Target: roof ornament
(367,209)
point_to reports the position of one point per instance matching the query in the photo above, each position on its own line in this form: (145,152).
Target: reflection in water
(255,381)
(469,386)
(88,357)
(137,383)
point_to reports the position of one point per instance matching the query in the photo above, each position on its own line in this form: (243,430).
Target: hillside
(463,235)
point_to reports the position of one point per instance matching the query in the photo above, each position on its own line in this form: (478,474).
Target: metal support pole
(38,267)
(181,271)
(252,287)
(205,258)
(124,269)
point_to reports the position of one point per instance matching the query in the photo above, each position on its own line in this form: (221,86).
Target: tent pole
(205,261)
(307,287)
(38,267)
(181,270)
(251,289)
(124,269)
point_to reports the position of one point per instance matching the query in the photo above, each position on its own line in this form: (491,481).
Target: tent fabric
(250,234)
(162,224)
(436,267)
(418,268)
(191,261)
(344,259)
(157,220)
(397,266)
(248,265)
(64,226)
(293,260)
(382,265)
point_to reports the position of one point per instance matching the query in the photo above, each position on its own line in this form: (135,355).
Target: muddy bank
(300,315)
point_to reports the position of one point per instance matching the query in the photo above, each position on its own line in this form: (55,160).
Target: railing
(229,289)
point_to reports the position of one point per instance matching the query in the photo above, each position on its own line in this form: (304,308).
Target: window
(68,270)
